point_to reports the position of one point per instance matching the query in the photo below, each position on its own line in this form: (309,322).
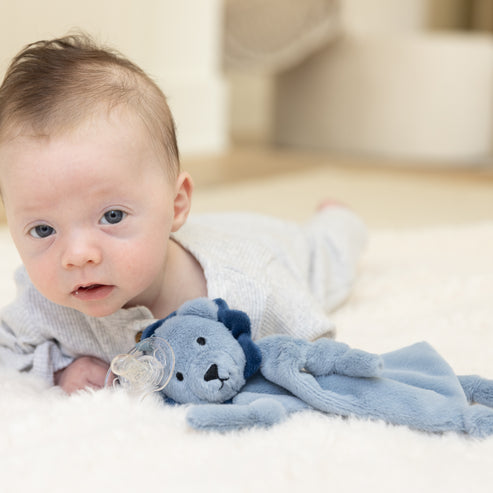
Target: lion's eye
(201,341)
(179,377)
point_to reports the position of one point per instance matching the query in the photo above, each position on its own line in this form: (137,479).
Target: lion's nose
(211,373)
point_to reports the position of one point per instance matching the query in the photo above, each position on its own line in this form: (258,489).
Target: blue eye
(113,217)
(41,231)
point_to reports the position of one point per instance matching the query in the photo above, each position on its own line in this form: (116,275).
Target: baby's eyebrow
(32,211)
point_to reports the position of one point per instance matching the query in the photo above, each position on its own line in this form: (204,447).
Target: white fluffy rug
(433,285)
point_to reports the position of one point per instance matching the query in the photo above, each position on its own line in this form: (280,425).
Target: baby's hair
(52,86)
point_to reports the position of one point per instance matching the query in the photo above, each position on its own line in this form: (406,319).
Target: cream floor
(291,184)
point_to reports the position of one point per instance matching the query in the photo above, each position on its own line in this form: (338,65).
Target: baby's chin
(95,309)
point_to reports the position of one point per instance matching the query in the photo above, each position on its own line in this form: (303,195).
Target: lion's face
(209,361)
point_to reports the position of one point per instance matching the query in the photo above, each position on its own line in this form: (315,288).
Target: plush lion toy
(235,382)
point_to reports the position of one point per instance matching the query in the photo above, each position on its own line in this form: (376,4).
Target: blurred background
(385,104)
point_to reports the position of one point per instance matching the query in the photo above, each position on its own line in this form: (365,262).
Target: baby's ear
(182,201)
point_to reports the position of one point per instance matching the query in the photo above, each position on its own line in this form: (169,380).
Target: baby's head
(89,175)
(51,87)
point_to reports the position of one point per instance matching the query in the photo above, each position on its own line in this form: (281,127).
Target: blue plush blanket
(216,362)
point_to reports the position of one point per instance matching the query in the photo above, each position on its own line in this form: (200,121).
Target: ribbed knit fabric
(285,276)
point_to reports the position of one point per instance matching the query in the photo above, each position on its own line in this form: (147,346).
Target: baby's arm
(29,342)
(44,357)
(25,350)
(84,372)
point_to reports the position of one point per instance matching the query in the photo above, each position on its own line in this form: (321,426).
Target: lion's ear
(200,307)
(238,323)
(150,329)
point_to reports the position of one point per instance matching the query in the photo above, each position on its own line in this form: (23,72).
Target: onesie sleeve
(23,346)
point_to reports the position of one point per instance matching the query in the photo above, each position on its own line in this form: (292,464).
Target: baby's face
(90,212)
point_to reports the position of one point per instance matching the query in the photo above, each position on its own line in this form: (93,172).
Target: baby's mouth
(92,292)
(82,289)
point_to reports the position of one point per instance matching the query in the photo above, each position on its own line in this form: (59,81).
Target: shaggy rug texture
(420,284)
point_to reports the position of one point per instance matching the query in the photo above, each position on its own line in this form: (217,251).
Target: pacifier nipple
(142,372)
(146,368)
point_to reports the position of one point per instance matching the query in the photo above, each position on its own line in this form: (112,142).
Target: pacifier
(146,368)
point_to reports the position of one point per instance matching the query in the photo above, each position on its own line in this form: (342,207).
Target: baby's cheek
(143,262)
(43,275)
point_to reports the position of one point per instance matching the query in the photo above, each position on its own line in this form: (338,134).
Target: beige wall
(453,72)
(177,42)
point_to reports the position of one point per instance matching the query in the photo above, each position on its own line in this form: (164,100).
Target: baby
(98,207)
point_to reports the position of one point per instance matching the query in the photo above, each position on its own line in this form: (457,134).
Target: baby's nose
(81,251)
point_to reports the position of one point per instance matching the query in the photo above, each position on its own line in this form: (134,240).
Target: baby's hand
(86,371)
